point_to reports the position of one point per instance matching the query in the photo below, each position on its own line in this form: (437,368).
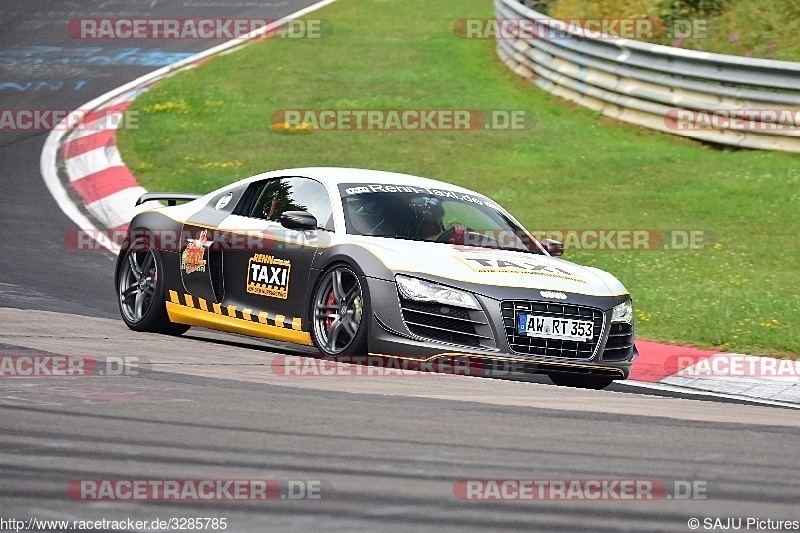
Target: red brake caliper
(331,301)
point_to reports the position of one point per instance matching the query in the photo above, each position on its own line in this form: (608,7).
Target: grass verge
(574,169)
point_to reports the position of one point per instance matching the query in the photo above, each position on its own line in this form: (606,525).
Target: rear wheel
(339,313)
(580,381)
(140,289)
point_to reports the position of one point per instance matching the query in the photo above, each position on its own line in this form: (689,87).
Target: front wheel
(580,381)
(339,313)
(140,289)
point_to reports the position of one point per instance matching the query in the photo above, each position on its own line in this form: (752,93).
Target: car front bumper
(424,335)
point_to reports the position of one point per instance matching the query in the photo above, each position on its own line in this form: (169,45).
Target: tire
(140,292)
(580,381)
(340,313)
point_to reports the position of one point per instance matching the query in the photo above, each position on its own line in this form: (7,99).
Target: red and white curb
(94,167)
(95,187)
(707,372)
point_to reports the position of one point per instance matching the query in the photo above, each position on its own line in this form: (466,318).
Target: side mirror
(554,248)
(301,220)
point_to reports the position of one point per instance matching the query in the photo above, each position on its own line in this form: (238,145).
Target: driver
(430,220)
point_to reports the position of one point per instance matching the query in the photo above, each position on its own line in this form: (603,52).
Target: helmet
(428,214)
(427,206)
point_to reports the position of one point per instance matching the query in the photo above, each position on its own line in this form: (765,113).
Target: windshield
(434,215)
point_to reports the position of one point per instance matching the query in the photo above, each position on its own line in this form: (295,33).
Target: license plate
(550,327)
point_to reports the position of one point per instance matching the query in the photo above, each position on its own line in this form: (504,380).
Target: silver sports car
(360,262)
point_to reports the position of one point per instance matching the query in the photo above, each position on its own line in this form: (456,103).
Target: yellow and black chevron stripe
(188,309)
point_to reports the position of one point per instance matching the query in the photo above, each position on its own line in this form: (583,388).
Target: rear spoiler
(172,198)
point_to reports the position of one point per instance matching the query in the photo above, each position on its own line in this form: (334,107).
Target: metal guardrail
(659,87)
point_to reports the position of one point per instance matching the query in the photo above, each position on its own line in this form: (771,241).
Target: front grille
(551,347)
(619,345)
(444,323)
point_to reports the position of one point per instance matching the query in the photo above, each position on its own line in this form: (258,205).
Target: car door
(201,246)
(267,266)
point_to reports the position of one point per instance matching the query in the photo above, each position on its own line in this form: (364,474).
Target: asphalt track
(387,450)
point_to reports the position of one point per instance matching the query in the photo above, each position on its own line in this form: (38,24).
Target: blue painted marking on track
(90,56)
(35,86)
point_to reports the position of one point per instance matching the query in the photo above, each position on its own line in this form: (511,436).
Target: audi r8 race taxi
(360,262)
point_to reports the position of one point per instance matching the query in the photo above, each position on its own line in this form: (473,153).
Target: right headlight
(427,291)
(623,312)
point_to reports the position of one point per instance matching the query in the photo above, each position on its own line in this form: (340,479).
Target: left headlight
(623,312)
(427,291)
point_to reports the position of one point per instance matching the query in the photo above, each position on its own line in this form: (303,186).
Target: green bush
(767,28)
(672,10)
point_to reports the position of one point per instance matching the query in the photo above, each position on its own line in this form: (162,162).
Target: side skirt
(198,312)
